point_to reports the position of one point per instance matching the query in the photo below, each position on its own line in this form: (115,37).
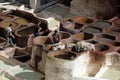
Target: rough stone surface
(83,65)
(94,8)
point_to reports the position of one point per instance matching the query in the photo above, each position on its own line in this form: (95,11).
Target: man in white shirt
(9,36)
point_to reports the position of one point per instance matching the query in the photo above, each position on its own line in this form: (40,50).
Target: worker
(9,35)
(56,37)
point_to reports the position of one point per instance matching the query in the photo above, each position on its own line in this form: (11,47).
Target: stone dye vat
(5,24)
(21,55)
(104,37)
(1,19)
(70,26)
(102,24)
(116,20)
(83,20)
(26,31)
(58,62)
(60,66)
(102,47)
(41,46)
(21,21)
(6,17)
(92,30)
(2,40)
(82,36)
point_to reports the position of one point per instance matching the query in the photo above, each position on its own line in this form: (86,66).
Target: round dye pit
(78,26)
(101,47)
(102,24)
(115,43)
(64,35)
(83,36)
(6,17)
(5,24)
(26,31)
(66,55)
(84,20)
(1,19)
(118,51)
(22,21)
(105,38)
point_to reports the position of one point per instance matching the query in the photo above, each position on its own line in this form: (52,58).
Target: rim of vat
(8,25)
(111,23)
(52,55)
(102,35)
(81,33)
(87,17)
(22,28)
(109,50)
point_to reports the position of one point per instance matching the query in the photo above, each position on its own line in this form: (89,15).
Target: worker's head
(56,31)
(10,25)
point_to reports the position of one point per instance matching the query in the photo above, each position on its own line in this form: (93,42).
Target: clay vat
(6,17)
(21,55)
(60,66)
(21,21)
(115,31)
(25,31)
(102,48)
(104,37)
(115,44)
(83,20)
(92,30)
(1,19)
(72,27)
(58,61)
(23,34)
(102,24)
(117,21)
(82,36)
(118,51)
(78,26)
(5,24)
(2,40)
